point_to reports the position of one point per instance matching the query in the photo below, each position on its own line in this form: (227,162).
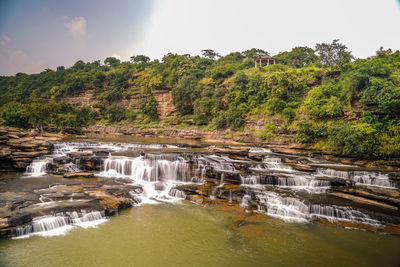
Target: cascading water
(293,209)
(37,168)
(359,177)
(157,174)
(60,224)
(276,187)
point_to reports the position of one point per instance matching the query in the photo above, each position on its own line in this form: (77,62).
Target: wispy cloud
(76,26)
(4,39)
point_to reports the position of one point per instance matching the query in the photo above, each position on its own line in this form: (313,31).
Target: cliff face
(163,97)
(165,106)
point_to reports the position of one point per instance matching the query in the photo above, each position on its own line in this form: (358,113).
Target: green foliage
(185,93)
(354,139)
(232,118)
(115,113)
(321,91)
(112,61)
(309,132)
(298,57)
(333,53)
(13,114)
(321,102)
(149,107)
(268,132)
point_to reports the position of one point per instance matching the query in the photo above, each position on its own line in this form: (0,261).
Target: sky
(40,34)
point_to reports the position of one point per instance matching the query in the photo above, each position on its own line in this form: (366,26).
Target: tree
(299,57)
(139,59)
(112,61)
(334,53)
(254,53)
(185,93)
(149,107)
(209,53)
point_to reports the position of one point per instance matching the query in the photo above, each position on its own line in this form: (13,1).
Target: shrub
(309,132)
(149,107)
(268,132)
(354,139)
(115,113)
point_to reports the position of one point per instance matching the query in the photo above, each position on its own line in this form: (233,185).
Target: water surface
(191,235)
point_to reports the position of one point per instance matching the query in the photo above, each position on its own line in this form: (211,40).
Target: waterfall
(373,179)
(177,193)
(157,174)
(296,182)
(287,208)
(293,209)
(359,177)
(60,223)
(149,170)
(37,168)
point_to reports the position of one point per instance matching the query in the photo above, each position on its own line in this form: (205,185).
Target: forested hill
(320,96)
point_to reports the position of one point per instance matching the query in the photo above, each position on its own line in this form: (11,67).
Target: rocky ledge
(19,147)
(22,200)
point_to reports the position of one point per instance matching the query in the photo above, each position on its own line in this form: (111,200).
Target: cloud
(18,61)
(4,39)
(76,26)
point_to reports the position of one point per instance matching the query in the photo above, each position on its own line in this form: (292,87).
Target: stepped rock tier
(79,184)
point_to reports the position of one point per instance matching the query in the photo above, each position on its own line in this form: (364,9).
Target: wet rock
(230,150)
(159,186)
(255,156)
(62,160)
(302,167)
(78,175)
(18,148)
(111,204)
(19,219)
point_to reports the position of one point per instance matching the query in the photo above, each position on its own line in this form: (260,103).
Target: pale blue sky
(35,35)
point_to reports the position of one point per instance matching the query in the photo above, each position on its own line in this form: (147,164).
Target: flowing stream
(286,197)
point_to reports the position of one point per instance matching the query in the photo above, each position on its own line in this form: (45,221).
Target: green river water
(191,235)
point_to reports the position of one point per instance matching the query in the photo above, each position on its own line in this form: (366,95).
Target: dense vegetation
(323,96)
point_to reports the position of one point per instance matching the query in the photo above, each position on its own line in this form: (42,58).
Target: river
(190,235)
(197,205)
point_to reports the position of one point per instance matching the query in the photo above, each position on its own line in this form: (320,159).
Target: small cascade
(177,193)
(245,201)
(333,173)
(149,170)
(275,164)
(293,209)
(157,174)
(372,179)
(217,163)
(296,182)
(286,208)
(222,178)
(37,168)
(333,213)
(60,223)
(230,196)
(359,177)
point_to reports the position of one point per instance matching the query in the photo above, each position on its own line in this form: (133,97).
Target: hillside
(323,97)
